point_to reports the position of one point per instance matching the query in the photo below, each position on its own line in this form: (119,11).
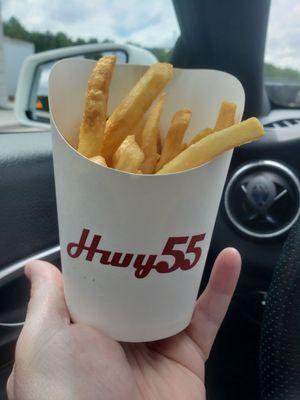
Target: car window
(59,24)
(50,26)
(282,61)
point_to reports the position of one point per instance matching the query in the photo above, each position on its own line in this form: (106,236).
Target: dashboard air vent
(262,199)
(284,123)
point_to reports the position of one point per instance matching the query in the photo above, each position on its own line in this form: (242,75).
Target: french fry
(149,137)
(183,146)
(128,156)
(138,130)
(213,145)
(226,116)
(95,109)
(129,141)
(133,107)
(202,134)
(225,119)
(159,144)
(178,126)
(99,160)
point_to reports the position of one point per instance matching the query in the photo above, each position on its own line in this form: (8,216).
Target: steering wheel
(280,341)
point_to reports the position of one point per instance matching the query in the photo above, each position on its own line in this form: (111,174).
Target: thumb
(47,303)
(213,303)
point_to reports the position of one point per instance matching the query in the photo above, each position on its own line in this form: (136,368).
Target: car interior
(256,354)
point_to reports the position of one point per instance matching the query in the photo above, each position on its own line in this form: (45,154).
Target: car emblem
(261,193)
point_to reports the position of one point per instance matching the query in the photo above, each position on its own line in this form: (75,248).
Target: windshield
(59,24)
(282,61)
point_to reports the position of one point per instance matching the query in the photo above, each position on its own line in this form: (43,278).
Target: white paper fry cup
(133,247)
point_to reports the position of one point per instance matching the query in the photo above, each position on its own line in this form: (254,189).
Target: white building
(15,51)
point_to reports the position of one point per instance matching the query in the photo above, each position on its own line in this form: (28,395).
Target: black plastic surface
(232,370)
(260,256)
(28,220)
(226,35)
(280,350)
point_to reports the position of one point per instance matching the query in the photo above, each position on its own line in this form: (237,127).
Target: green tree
(274,72)
(42,40)
(62,40)
(48,40)
(13,28)
(163,55)
(92,40)
(107,40)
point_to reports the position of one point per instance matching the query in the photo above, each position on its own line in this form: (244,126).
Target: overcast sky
(137,21)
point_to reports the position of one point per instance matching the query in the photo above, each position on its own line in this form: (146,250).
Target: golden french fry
(138,130)
(149,137)
(128,156)
(202,134)
(183,146)
(225,119)
(159,144)
(226,116)
(133,107)
(171,148)
(99,160)
(92,127)
(213,145)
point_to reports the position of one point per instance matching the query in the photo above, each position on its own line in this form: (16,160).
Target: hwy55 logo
(185,251)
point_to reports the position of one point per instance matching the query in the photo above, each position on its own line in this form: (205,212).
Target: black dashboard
(260,202)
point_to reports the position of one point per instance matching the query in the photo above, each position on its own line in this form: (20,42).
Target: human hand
(59,360)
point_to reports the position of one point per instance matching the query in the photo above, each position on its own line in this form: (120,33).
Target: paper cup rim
(142,66)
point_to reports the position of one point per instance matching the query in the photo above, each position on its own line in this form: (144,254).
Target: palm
(167,371)
(79,362)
